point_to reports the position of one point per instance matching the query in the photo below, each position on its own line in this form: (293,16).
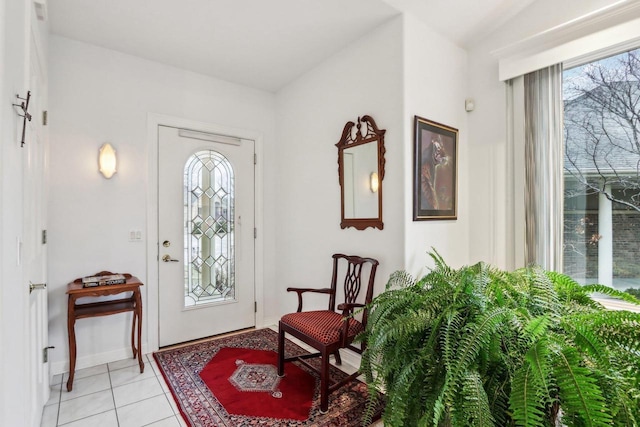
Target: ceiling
(263,44)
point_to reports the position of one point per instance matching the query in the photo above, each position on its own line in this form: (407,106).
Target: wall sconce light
(374,182)
(107,160)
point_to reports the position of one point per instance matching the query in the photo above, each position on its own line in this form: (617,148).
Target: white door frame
(152,308)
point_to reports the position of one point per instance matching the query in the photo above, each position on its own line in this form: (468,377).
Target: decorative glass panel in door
(208,229)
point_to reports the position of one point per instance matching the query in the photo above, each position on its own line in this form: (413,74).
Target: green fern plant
(478,346)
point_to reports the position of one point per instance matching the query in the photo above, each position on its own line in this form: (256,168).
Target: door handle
(167,258)
(35,286)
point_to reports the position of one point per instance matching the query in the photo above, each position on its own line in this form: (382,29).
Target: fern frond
(538,359)
(525,399)
(609,291)
(570,291)
(439,405)
(537,327)
(475,409)
(580,397)
(440,265)
(476,335)
(497,386)
(622,403)
(620,329)
(400,279)
(587,342)
(450,337)
(627,411)
(543,298)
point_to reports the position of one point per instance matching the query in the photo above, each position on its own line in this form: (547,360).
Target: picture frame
(435,172)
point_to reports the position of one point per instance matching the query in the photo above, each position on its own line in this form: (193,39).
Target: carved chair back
(354,272)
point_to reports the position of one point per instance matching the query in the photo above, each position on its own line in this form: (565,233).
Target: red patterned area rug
(233,382)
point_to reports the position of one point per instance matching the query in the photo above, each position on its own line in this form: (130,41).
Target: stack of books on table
(112,279)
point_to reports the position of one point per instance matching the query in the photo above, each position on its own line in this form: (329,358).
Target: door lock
(167,258)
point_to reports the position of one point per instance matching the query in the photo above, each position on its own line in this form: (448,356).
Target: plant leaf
(580,397)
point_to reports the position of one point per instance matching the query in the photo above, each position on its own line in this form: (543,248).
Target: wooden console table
(133,303)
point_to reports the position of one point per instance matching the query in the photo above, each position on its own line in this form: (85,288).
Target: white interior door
(206,234)
(33,247)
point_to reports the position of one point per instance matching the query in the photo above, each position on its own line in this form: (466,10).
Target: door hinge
(255,233)
(255,159)
(255,306)
(45,118)
(45,354)
(44,237)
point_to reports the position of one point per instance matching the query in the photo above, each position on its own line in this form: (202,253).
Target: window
(209,229)
(602,171)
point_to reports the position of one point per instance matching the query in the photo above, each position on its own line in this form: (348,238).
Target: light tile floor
(117,395)
(113,395)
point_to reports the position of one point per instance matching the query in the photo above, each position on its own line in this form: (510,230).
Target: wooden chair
(327,330)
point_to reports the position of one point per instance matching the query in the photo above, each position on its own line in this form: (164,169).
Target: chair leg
(280,351)
(338,358)
(324,383)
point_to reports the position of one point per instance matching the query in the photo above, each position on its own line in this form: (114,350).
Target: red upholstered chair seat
(324,326)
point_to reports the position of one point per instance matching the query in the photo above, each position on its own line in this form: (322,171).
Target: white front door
(33,246)
(206,234)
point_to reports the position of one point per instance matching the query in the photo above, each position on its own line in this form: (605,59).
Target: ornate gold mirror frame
(361,171)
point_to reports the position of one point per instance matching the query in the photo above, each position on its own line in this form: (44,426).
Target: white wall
(489,238)
(399,70)
(364,78)
(99,96)
(435,89)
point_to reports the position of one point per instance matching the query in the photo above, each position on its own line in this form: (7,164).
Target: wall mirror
(361,171)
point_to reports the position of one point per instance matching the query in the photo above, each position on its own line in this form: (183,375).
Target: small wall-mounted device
(469,104)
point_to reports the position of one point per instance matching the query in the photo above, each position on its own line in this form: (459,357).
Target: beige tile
(105,419)
(167,422)
(87,372)
(153,365)
(182,422)
(136,391)
(50,416)
(129,375)
(163,384)
(54,396)
(173,404)
(88,385)
(85,406)
(144,412)
(124,363)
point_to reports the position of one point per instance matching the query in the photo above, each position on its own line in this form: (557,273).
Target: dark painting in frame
(435,171)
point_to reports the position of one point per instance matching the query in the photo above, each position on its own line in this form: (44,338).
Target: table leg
(133,333)
(138,317)
(71,320)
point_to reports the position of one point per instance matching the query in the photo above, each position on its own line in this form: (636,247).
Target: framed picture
(435,171)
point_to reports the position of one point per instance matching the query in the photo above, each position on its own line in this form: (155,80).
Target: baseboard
(268,322)
(91,360)
(350,357)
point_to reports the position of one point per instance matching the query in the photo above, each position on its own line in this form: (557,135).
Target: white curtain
(543,152)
